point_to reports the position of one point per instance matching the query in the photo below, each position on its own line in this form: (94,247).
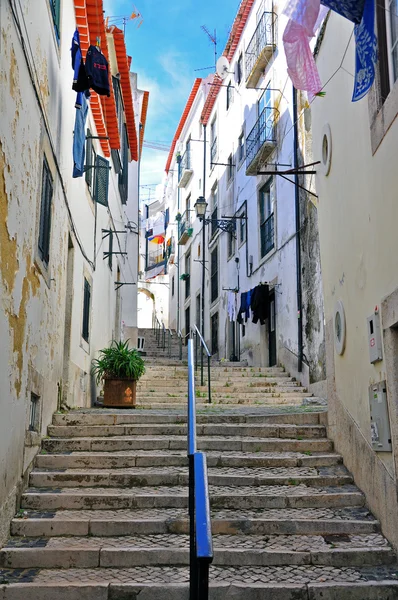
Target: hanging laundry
(80,81)
(97,71)
(79,139)
(232,306)
(365,52)
(350,9)
(260,303)
(244,309)
(303,18)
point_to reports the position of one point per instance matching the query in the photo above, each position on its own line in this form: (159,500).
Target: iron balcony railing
(213,151)
(263,37)
(155,258)
(262,133)
(267,235)
(200,537)
(184,224)
(185,163)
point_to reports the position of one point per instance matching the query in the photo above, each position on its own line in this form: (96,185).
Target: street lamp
(200,207)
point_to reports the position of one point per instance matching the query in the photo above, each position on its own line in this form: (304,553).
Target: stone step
(249,395)
(181,368)
(312,521)
(127,459)
(263,430)
(101,417)
(159,476)
(222,390)
(243,497)
(231,443)
(241,583)
(173,549)
(181,403)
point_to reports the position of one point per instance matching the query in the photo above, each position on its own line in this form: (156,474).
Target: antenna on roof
(213,39)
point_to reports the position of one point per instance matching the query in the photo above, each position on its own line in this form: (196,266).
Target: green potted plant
(184,276)
(119,367)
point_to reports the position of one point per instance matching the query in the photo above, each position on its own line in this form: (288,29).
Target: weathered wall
(41,309)
(358,213)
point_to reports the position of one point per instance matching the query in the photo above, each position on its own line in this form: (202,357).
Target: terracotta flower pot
(120,393)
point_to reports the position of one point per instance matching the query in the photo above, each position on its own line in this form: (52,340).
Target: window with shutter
(56,13)
(45,214)
(101,178)
(123,175)
(86,310)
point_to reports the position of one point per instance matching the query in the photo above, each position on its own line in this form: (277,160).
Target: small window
(45,214)
(198,311)
(34,413)
(231,244)
(101,180)
(266,209)
(55,6)
(172,285)
(213,141)
(230,94)
(187,275)
(214,276)
(242,228)
(230,167)
(239,70)
(86,311)
(241,147)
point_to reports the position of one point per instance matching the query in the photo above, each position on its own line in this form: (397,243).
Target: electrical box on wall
(379,418)
(374,337)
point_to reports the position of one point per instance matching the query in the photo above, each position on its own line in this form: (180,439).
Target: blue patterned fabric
(350,9)
(365,52)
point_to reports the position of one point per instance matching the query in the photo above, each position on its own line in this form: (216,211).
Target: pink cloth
(304,18)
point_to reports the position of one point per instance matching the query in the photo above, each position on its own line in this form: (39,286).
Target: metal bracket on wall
(108,232)
(120,284)
(108,254)
(299,171)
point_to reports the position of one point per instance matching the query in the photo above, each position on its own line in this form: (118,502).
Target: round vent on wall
(326,149)
(339,328)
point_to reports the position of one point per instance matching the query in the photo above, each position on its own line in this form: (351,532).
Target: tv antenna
(213,38)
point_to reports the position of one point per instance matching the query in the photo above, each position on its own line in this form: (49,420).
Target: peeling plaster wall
(42,349)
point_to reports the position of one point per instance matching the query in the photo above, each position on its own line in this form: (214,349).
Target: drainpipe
(298,238)
(178,245)
(203,252)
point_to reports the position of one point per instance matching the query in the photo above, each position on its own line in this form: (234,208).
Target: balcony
(170,250)
(261,141)
(260,49)
(184,228)
(185,170)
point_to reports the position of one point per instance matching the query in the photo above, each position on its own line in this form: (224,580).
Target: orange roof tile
(144,112)
(229,51)
(182,122)
(123,65)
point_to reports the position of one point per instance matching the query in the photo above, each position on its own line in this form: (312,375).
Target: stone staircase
(105,516)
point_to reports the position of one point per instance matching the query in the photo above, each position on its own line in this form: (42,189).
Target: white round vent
(326,149)
(339,328)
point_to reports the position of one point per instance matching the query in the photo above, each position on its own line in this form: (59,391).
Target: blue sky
(166,50)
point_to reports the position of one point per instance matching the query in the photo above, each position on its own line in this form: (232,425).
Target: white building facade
(268,234)
(64,241)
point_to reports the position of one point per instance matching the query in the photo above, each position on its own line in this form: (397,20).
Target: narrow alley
(198,300)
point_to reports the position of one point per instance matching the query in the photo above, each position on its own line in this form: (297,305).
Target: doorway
(272,330)
(187,323)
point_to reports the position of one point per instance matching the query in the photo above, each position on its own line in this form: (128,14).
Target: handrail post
(169,343)
(196,351)
(180,338)
(201,365)
(208,378)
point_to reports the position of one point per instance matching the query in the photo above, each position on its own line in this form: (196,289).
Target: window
(239,69)
(214,333)
(230,94)
(198,311)
(55,6)
(242,228)
(34,412)
(188,275)
(188,154)
(119,103)
(266,206)
(214,211)
(172,285)
(123,174)
(213,141)
(45,214)
(86,310)
(214,275)
(101,180)
(230,168)
(391,13)
(241,147)
(231,244)
(387,31)
(90,162)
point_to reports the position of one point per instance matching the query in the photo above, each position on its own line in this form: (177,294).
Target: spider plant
(119,361)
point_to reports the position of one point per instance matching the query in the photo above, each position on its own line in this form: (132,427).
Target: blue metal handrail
(200,545)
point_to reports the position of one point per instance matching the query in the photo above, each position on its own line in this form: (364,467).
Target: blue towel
(79,138)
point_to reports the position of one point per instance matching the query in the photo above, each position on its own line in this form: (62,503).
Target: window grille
(45,214)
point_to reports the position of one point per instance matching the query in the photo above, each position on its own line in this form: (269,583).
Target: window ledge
(266,258)
(384,118)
